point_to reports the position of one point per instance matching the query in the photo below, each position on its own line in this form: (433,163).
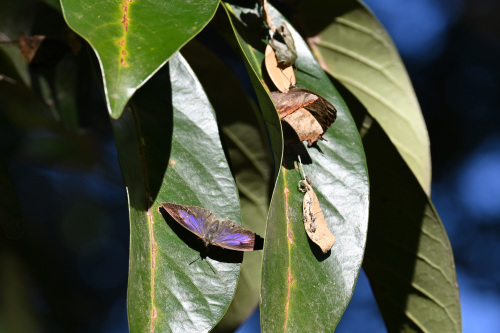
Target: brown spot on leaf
(125,22)
(125,18)
(289,285)
(154,314)
(289,233)
(154,246)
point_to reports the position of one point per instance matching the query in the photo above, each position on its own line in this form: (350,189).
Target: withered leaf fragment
(314,118)
(301,126)
(283,77)
(284,46)
(29,45)
(314,221)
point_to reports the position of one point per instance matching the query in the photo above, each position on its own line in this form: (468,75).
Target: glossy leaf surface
(170,151)
(249,158)
(298,282)
(133,39)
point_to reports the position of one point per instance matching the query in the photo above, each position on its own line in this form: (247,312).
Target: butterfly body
(204,224)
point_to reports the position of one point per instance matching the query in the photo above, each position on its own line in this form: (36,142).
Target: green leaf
(300,284)
(133,39)
(250,165)
(408,260)
(169,151)
(355,49)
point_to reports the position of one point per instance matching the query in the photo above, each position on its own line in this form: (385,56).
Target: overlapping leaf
(133,39)
(238,119)
(298,282)
(169,151)
(408,260)
(355,49)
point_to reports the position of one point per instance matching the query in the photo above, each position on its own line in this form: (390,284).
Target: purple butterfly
(204,224)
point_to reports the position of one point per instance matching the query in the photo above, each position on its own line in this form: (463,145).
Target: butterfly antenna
(192,262)
(211,267)
(209,264)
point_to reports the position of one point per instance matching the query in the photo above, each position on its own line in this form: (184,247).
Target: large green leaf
(408,260)
(170,151)
(301,285)
(133,39)
(238,118)
(355,49)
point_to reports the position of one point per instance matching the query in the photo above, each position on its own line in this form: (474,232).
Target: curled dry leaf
(314,221)
(301,126)
(29,45)
(314,115)
(48,50)
(306,116)
(283,77)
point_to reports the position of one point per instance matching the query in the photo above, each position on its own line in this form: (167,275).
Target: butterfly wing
(194,219)
(291,101)
(232,236)
(324,111)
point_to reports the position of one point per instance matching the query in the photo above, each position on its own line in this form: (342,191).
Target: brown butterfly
(204,224)
(308,114)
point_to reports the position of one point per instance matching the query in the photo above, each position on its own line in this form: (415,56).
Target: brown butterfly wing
(193,218)
(206,226)
(305,115)
(324,111)
(291,101)
(234,237)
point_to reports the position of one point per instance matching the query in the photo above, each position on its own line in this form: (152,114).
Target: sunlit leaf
(299,283)
(408,260)
(169,151)
(355,49)
(133,39)
(249,158)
